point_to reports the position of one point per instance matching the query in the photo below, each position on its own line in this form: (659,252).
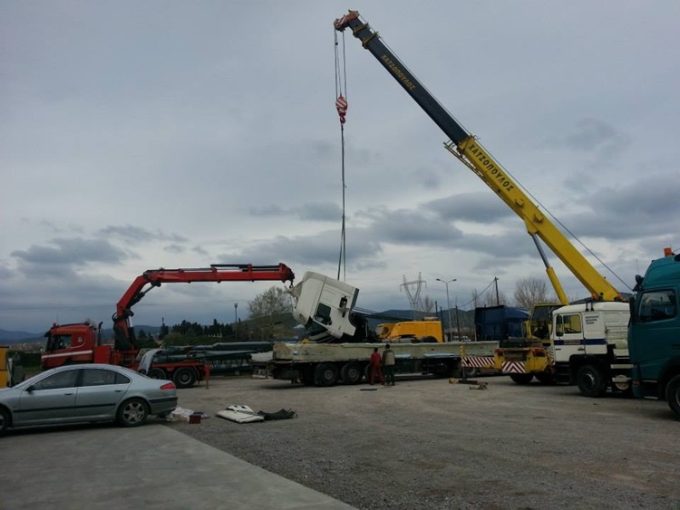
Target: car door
(99,393)
(50,400)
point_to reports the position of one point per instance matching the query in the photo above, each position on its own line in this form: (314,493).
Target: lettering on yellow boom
(495,172)
(396,71)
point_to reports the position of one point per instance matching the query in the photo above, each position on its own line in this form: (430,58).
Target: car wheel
(673,395)
(590,380)
(157,373)
(184,377)
(522,378)
(5,420)
(351,373)
(132,413)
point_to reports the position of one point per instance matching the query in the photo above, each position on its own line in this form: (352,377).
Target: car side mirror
(30,389)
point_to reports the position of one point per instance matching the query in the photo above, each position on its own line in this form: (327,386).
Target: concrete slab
(152,466)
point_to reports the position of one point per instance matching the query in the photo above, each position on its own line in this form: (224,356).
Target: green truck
(654,333)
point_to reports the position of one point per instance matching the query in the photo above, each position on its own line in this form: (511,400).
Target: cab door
(568,336)
(50,400)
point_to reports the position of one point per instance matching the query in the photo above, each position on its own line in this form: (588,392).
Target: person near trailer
(389,361)
(376,367)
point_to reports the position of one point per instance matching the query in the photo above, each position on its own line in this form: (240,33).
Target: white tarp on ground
(240,413)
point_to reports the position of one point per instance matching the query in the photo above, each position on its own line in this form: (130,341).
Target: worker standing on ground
(388,361)
(376,367)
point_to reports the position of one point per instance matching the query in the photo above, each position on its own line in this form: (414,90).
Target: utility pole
(235,322)
(448,302)
(495,281)
(457,321)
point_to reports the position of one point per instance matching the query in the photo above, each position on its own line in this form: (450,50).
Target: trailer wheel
(132,413)
(325,374)
(522,378)
(591,381)
(157,373)
(351,373)
(184,377)
(673,395)
(5,420)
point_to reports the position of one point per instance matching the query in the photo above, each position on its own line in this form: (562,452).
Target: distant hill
(22,337)
(14,337)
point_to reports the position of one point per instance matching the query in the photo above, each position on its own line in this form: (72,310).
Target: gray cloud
(313,211)
(593,135)
(478,207)
(316,249)
(411,227)
(71,252)
(639,209)
(174,248)
(134,233)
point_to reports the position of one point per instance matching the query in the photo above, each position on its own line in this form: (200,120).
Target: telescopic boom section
(215,273)
(466,148)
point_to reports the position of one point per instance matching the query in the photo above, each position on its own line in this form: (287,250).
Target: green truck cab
(654,333)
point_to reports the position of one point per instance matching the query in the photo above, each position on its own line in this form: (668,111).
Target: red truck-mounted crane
(81,342)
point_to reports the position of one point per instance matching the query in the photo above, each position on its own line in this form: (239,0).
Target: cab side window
(568,324)
(59,380)
(658,305)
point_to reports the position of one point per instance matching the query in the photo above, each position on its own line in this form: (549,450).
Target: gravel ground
(426,443)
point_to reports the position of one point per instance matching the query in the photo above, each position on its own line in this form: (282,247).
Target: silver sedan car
(85,393)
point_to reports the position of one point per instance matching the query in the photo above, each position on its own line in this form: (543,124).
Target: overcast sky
(139,135)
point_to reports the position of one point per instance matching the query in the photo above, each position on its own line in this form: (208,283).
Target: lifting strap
(341,106)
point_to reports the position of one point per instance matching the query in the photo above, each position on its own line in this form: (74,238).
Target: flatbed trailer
(327,364)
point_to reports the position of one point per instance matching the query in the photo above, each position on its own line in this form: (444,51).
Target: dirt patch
(426,443)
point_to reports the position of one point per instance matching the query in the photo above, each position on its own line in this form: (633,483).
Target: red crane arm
(214,273)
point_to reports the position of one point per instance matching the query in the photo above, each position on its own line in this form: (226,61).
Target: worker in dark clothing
(389,361)
(376,367)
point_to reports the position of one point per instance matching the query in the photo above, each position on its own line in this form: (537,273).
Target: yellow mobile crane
(467,149)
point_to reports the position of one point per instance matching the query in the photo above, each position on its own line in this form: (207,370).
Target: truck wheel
(673,395)
(351,373)
(591,381)
(545,378)
(5,420)
(157,373)
(132,413)
(325,374)
(184,377)
(522,378)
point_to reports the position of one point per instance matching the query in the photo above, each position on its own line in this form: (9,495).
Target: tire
(673,395)
(591,381)
(184,377)
(157,373)
(351,373)
(325,374)
(5,420)
(132,413)
(522,378)
(546,378)
(471,371)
